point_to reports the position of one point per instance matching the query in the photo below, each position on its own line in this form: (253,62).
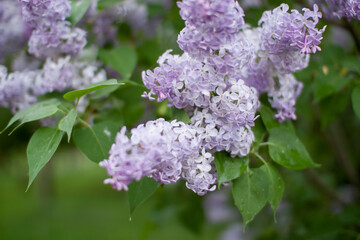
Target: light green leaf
(105,91)
(179,115)
(66,124)
(73,95)
(276,185)
(35,112)
(229,168)
(267,116)
(250,193)
(41,148)
(287,150)
(355,98)
(78,9)
(123,59)
(95,141)
(139,191)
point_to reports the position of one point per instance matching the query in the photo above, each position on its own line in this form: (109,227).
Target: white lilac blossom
(164,151)
(14,33)
(20,89)
(337,9)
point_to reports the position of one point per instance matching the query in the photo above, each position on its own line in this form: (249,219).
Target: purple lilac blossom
(282,96)
(20,89)
(208,25)
(162,150)
(52,36)
(14,33)
(283,32)
(51,39)
(36,12)
(217,80)
(337,9)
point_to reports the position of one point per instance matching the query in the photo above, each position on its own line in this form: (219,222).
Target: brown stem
(317,182)
(338,141)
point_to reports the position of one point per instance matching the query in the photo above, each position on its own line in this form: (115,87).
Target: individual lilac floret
(14,33)
(53,39)
(208,24)
(36,12)
(161,150)
(283,93)
(284,32)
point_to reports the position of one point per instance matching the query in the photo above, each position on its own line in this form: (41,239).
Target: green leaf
(105,91)
(35,112)
(78,9)
(73,95)
(123,59)
(250,193)
(66,124)
(107,3)
(180,115)
(355,98)
(328,84)
(267,116)
(95,141)
(139,191)
(287,150)
(229,168)
(276,185)
(41,148)
(332,107)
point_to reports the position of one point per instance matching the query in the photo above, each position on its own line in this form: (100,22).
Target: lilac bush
(218,80)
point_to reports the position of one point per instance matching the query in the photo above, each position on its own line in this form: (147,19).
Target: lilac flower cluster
(52,35)
(282,44)
(20,89)
(217,80)
(337,9)
(14,33)
(164,151)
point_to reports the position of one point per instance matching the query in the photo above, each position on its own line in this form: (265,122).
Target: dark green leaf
(276,185)
(332,107)
(95,141)
(229,168)
(73,95)
(328,84)
(180,115)
(355,98)
(139,191)
(66,124)
(41,148)
(267,116)
(250,193)
(287,150)
(35,112)
(78,9)
(123,59)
